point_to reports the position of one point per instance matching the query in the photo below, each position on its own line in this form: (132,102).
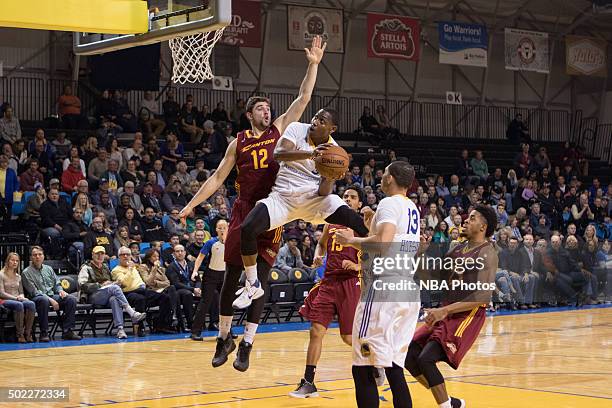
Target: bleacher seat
(166,245)
(281,292)
(165,219)
(297,275)
(61,266)
(66,197)
(301,290)
(144,247)
(277,276)
(112,263)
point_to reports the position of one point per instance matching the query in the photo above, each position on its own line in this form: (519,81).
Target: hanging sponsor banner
(463,44)
(245,28)
(391,36)
(586,56)
(526,50)
(304,23)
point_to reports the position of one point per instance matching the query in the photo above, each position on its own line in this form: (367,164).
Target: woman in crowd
(73,154)
(13,298)
(122,238)
(133,225)
(368,177)
(307,251)
(433,216)
(82,203)
(154,276)
(89,150)
(131,173)
(114,152)
(589,233)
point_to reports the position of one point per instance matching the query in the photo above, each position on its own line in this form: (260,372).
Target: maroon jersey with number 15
(337,253)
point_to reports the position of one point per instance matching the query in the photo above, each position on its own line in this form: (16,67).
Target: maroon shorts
(456,334)
(333,296)
(267,243)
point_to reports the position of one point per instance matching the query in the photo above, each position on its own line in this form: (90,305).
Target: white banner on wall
(526,50)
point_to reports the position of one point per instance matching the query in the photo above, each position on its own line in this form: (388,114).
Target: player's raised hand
(367,213)
(314,54)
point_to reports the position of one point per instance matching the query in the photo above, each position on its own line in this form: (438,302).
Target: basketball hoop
(191,54)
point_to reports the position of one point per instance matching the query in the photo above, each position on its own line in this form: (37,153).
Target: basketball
(333,162)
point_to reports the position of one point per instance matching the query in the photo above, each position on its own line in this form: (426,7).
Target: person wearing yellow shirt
(127,276)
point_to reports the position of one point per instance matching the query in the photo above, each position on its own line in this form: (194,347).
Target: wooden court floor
(549,360)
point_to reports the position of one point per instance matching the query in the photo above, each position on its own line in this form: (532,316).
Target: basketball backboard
(167,19)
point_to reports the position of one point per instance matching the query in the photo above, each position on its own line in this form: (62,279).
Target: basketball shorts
(267,242)
(456,334)
(311,208)
(382,332)
(332,296)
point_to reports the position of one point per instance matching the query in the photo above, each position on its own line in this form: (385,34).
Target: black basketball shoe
(224,348)
(305,389)
(242,356)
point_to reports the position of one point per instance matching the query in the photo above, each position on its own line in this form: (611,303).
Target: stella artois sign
(391,36)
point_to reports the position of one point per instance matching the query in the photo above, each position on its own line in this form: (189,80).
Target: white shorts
(382,332)
(311,208)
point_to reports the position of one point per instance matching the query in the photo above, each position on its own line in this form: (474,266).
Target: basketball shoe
(242,356)
(305,389)
(247,294)
(223,349)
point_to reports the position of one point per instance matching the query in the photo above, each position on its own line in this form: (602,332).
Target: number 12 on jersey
(259,158)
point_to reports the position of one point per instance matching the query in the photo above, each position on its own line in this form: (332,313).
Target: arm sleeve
(387,212)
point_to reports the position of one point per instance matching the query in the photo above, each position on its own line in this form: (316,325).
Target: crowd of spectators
(95,200)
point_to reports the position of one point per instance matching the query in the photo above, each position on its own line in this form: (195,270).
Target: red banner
(391,36)
(245,29)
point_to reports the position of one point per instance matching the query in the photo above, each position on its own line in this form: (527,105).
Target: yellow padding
(93,16)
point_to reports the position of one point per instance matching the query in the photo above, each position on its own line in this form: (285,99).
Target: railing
(35,99)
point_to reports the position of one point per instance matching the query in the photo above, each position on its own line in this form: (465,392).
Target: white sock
(129,310)
(249,332)
(251,273)
(225,324)
(446,404)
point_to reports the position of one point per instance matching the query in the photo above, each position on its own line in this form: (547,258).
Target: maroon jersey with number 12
(337,253)
(256,175)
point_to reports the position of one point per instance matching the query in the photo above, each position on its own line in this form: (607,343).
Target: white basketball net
(190,56)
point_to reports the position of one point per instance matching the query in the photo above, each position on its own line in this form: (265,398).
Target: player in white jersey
(386,318)
(299,192)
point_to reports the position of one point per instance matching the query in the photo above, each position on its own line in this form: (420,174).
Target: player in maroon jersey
(337,293)
(252,152)
(450,331)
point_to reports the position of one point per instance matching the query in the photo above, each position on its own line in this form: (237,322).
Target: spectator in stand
(135,250)
(12,297)
(10,129)
(193,249)
(187,284)
(217,145)
(137,294)
(74,233)
(564,273)
(132,174)
(582,214)
(135,201)
(171,110)
(107,206)
(171,152)
(220,114)
(134,227)
(71,176)
(112,176)
(106,108)
(518,131)
(188,124)
(125,117)
(152,227)
(73,153)
(175,226)
(135,150)
(54,213)
(89,149)
(464,169)
(237,112)
(32,211)
(161,177)
(81,201)
(480,166)
(45,161)
(183,176)
(149,199)
(173,197)
(97,285)
(541,160)
(368,177)
(122,238)
(203,116)
(523,161)
(115,152)
(69,109)
(433,216)
(98,236)
(44,289)
(355,177)
(20,152)
(148,111)
(98,166)
(289,256)
(31,176)
(385,124)
(108,131)
(369,123)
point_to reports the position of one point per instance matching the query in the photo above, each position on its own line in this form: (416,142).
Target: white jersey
(300,176)
(383,329)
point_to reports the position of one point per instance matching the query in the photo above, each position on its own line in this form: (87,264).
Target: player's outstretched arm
(214,182)
(385,233)
(314,55)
